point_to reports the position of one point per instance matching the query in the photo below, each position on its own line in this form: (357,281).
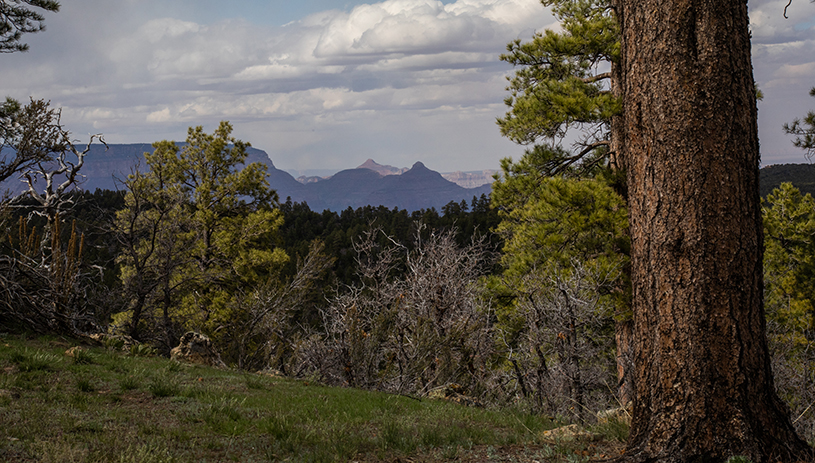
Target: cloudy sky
(326,84)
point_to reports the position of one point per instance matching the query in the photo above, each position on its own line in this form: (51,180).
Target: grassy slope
(104,406)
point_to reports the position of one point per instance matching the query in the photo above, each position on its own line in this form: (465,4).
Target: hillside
(105,405)
(802,176)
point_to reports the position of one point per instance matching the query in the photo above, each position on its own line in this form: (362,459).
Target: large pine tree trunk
(703,385)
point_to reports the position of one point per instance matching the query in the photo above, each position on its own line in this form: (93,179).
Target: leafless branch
(52,199)
(577,157)
(596,78)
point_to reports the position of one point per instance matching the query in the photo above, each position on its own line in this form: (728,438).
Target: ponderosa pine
(703,385)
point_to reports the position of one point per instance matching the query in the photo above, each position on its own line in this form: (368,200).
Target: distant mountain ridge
(370,184)
(412,189)
(416,188)
(471,179)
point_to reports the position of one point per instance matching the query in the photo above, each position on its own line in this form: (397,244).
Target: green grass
(112,407)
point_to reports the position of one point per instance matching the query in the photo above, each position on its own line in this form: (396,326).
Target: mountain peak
(369,164)
(380,169)
(419,170)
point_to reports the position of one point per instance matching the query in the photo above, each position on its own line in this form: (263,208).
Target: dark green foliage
(553,222)
(557,87)
(789,275)
(789,262)
(17,18)
(802,176)
(338,231)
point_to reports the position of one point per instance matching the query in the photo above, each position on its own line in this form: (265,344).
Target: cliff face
(470,179)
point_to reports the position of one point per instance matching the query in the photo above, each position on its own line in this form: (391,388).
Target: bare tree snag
(703,386)
(53,197)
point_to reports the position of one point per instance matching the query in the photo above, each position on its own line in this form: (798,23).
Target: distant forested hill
(802,176)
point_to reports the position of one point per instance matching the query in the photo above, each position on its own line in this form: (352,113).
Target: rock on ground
(569,433)
(198,349)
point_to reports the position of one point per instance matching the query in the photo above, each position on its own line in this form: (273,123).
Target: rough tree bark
(703,385)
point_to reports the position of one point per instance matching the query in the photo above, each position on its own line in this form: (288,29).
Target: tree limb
(597,78)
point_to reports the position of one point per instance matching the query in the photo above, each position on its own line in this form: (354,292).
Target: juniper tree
(226,218)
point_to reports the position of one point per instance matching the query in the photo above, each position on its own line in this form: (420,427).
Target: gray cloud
(784,66)
(399,80)
(325,83)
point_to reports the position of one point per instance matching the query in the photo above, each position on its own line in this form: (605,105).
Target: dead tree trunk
(703,385)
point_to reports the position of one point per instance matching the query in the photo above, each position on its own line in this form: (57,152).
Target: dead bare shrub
(792,359)
(416,320)
(562,361)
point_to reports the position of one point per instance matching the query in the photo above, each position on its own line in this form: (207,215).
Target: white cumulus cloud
(383,78)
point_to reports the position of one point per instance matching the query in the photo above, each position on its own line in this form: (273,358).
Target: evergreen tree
(789,262)
(152,229)
(569,234)
(558,88)
(563,208)
(18,18)
(566,220)
(220,223)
